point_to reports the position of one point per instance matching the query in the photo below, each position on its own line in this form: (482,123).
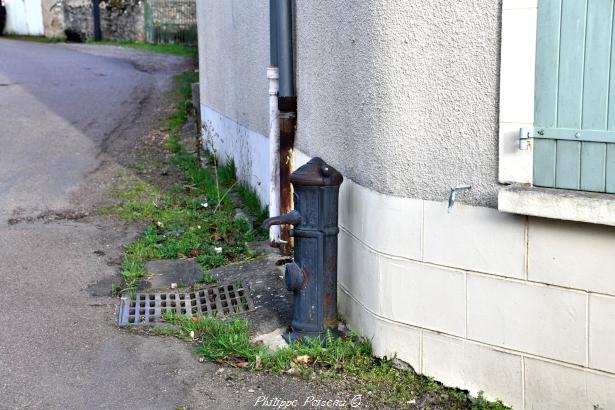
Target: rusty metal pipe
(281,149)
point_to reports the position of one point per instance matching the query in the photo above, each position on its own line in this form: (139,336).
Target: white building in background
(24,17)
(513,291)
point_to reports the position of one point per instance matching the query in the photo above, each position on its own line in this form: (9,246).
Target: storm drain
(219,301)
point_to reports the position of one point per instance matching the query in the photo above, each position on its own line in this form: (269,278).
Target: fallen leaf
(194,253)
(304,359)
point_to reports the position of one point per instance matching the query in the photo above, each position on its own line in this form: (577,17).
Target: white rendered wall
(233,60)
(24,17)
(249,149)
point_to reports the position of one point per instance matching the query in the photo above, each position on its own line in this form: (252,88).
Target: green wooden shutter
(574,112)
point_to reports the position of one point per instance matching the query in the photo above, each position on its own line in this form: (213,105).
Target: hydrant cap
(316,173)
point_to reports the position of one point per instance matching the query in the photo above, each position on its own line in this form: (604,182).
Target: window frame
(515,166)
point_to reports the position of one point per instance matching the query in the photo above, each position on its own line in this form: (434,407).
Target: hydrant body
(312,275)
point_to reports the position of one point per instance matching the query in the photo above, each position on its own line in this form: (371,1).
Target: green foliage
(209,279)
(480,403)
(250,199)
(345,361)
(165,331)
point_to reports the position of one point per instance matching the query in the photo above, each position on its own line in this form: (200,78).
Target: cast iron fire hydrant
(312,275)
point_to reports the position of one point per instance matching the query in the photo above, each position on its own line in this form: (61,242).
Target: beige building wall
(404,98)
(402,95)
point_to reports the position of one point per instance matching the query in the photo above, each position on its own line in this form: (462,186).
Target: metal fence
(170,21)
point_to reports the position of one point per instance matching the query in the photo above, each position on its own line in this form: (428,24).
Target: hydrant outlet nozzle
(291,218)
(295,277)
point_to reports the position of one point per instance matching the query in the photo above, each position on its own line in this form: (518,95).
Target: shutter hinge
(524,137)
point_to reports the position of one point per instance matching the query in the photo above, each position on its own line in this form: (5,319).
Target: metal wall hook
(453,195)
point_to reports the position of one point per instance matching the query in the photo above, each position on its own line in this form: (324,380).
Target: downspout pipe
(281,76)
(273,33)
(274,124)
(274,154)
(284,31)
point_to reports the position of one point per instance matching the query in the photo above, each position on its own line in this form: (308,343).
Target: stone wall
(53,18)
(119,20)
(169,20)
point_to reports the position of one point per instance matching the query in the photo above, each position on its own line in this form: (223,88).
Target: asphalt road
(68,114)
(56,108)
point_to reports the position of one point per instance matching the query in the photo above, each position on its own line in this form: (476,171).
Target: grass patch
(347,362)
(194,219)
(208,278)
(172,49)
(252,202)
(37,39)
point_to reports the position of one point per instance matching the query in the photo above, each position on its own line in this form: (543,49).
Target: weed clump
(195,219)
(346,361)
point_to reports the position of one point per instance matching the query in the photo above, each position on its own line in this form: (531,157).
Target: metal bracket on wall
(453,195)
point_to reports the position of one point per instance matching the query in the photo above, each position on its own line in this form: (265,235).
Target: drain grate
(219,301)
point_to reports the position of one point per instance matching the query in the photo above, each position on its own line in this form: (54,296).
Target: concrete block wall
(521,308)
